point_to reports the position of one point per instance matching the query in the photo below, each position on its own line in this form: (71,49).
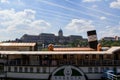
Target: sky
(74,17)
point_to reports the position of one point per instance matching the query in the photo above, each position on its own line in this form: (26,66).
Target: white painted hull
(45,72)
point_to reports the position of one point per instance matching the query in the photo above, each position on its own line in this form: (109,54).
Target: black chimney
(92,39)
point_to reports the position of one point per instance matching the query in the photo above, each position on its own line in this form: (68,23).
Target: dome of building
(60,33)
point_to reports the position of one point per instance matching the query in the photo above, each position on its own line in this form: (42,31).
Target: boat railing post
(81,63)
(95,62)
(112,62)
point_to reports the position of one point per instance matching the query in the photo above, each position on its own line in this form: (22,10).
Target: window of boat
(101,57)
(1,48)
(9,69)
(44,69)
(108,56)
(50,56)
(20,69)
(57,56)
(38,70)
(94,56)
(96,69)
(3,56)
(86,56)
(1,68)
(71,56)
(107,68)
(30,48)
(80,57)
(31,69)
(26,69)
(54,63)
(15,69)
(40,57)
(46,57)
(102,69)
(90,70)
(64,56)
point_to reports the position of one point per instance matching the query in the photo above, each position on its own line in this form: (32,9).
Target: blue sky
(74,17)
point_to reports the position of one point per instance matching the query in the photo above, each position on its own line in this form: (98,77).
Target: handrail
(63,62)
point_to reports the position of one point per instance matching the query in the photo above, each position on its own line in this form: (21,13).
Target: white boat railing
(64,62)
(2,74)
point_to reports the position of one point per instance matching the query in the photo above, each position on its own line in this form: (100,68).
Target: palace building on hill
(47,38)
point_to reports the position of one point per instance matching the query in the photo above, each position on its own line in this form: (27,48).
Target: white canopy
(110,51)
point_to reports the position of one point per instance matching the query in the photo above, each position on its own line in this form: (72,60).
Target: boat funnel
(92,39)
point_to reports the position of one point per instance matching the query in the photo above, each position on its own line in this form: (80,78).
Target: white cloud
(21,22)
(106,0)
(110,31)
(102,18)
(80,25)
(94,6)
(115,4)
(4,1)
(90,0)
(119,22)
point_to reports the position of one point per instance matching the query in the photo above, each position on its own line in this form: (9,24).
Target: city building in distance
(48,38)
(116,38)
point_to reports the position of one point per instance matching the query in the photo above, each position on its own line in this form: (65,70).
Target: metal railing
(3,60)
(66,62)
(2,74)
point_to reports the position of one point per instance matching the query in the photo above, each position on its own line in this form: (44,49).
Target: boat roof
(53,52)
(113,49)
(74,49)
(110,51)
(17,44)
